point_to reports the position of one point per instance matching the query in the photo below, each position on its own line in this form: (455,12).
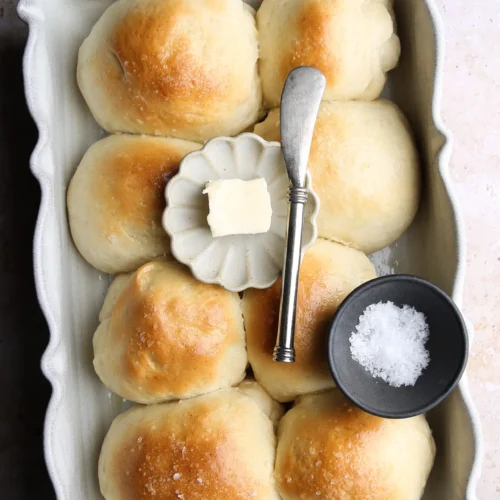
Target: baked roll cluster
(117,197)
(328,448)
(179,68)
(164,335)
(352,42)
(164,76)
(190,70)
(220,445)
(365,170)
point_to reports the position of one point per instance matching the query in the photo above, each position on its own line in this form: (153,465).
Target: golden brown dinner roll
(218,446)
(331,449)
(365,170)
(328,273)
(351,41)
(179,68)
(268,405)
(117,196)
(168,336)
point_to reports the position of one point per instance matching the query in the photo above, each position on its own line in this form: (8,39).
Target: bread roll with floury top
(219,446)
(330,449)
(351,41)
(180,68)
(365,170)
(164,335)
(329,272)
(117,197)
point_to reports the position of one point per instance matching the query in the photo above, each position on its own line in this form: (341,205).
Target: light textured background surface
(471,110)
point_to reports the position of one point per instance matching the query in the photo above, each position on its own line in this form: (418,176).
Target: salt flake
(389,342)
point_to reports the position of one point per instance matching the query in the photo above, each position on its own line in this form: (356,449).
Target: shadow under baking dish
(447,345)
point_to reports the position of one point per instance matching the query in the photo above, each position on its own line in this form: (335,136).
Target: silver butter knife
(300,101)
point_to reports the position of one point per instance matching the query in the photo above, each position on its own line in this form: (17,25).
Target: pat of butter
(238,207)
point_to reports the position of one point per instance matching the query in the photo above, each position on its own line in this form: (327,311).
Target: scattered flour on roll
(328,448)
(219,446)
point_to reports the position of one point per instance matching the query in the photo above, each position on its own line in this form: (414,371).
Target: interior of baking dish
(71,292)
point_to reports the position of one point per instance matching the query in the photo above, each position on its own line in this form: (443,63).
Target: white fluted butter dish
(238,261)
(71,292)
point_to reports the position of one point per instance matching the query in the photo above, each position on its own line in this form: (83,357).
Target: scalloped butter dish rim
(252,282)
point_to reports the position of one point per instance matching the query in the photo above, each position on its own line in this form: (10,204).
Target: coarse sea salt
(389,342)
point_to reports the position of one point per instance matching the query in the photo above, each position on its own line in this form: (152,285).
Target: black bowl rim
(454,380)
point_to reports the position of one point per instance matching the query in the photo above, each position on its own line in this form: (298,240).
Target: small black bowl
(447,345)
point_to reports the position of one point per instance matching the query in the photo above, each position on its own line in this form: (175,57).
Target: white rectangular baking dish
(71,292)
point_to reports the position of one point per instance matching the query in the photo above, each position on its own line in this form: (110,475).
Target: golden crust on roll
(365,170)
(116,200)
(329,272)
(168,336)
(329,448)
(351,41)
(218,446)
(179,68)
